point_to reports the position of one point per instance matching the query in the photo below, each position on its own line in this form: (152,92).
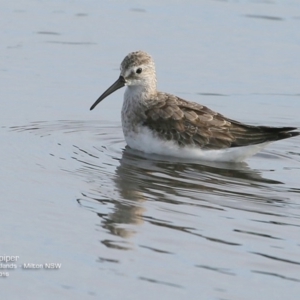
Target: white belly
(143,140)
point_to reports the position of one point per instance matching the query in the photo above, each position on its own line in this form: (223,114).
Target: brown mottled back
(189,123)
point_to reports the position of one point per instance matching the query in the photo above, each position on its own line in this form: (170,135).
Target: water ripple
(219,206)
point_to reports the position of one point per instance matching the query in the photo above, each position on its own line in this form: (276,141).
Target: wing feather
(189,123)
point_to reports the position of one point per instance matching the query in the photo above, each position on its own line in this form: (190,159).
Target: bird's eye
(139,71)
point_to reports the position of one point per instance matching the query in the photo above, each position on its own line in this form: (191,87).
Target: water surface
(125,225)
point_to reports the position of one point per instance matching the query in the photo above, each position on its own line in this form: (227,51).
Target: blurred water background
(124,225)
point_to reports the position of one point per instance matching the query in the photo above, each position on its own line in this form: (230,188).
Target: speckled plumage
(177,123)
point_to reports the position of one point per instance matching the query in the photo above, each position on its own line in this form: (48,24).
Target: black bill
(117,85)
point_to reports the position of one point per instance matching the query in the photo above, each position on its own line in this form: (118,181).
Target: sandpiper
(161,123)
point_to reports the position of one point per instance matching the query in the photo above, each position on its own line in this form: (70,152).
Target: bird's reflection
(140,178)
(123,185)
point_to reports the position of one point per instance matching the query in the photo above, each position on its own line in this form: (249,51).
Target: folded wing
(188,123)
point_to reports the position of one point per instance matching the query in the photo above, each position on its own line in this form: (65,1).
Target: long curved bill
(117,85)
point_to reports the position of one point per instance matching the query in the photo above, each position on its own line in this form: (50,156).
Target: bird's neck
(140,93)
(136,102)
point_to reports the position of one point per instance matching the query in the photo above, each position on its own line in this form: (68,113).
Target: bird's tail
(252,135)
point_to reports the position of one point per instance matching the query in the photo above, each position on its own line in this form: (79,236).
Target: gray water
(121,224)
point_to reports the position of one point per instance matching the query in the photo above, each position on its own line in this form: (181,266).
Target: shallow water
(122,224)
